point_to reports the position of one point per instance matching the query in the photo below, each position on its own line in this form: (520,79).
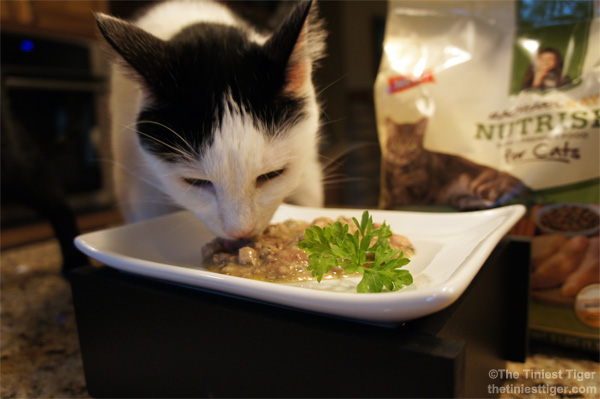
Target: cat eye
(200,183)
(268,176)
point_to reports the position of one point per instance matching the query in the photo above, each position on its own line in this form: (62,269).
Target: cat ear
(143,53)
(297,44)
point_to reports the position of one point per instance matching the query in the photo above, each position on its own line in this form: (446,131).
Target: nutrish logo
(405,82)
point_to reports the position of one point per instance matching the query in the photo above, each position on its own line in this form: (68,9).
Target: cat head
(229,118)
(405,141)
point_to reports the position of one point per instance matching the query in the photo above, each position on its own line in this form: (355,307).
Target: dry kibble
(570,218)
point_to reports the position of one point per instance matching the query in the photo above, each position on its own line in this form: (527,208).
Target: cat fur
(198,95)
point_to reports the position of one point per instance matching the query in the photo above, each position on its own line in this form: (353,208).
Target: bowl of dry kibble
(570,219)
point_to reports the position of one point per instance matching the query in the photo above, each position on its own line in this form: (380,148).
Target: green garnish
(333,246)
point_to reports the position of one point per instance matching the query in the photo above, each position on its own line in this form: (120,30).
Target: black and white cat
(212,115)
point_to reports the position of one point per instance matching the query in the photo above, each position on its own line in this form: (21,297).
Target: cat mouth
(234,245)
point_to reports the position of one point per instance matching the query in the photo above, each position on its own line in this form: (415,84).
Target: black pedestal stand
(146,338)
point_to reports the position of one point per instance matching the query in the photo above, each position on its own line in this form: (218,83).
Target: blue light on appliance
(26,45)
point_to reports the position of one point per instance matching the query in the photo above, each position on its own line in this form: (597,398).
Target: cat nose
(240,234)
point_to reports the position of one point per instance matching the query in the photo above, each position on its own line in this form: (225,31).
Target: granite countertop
(40,358)
(39,352)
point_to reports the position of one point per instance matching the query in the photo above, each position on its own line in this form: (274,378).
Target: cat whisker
(131,173)
(326,115)
(334,161)
(343,179)
(329,122)
(322,108)
(331,84)
(334,175)
(184,141)
(186,155)
(181,151)
(331,164)
(339,184)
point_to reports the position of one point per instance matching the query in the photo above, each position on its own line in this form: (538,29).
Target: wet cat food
(274,255)
(481,104)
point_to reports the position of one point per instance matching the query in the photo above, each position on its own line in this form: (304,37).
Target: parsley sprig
(333,246)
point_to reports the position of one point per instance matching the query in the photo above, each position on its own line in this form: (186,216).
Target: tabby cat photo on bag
(415,175)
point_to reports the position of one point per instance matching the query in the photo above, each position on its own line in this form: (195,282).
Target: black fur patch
(201,66)
(189,76)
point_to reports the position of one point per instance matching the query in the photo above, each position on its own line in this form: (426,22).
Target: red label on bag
(399,83)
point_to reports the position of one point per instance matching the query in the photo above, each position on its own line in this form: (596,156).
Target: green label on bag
(550,44)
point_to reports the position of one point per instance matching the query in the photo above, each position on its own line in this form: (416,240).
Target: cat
(212,115)
(416,176)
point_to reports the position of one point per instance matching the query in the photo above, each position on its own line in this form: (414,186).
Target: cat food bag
(485,103)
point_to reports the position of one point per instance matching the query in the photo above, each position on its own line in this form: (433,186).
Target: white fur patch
(237,205)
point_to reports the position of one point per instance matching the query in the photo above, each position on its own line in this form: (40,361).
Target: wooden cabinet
(16,12)
(67,18)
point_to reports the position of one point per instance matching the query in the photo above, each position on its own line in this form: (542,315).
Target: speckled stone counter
(39,350)
(40,356)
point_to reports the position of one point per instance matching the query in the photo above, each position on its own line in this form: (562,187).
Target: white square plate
(450,250)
